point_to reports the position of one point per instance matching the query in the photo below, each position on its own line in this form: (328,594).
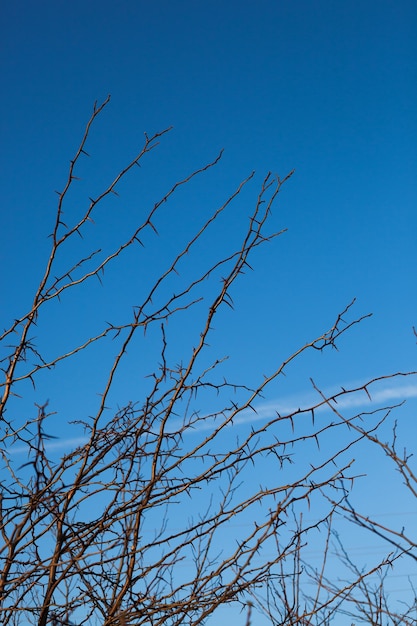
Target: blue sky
(326,88)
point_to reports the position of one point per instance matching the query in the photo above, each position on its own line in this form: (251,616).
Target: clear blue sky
(327,88)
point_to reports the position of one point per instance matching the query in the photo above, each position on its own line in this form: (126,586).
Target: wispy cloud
(390,393)
(58,444)
(383,393)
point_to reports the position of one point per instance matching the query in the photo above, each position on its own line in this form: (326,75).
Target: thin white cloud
(380,396)
(383,394)
(52,445)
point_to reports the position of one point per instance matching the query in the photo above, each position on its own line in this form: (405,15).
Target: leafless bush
(156,517)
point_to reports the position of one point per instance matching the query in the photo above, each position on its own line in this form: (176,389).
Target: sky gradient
(328,89)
